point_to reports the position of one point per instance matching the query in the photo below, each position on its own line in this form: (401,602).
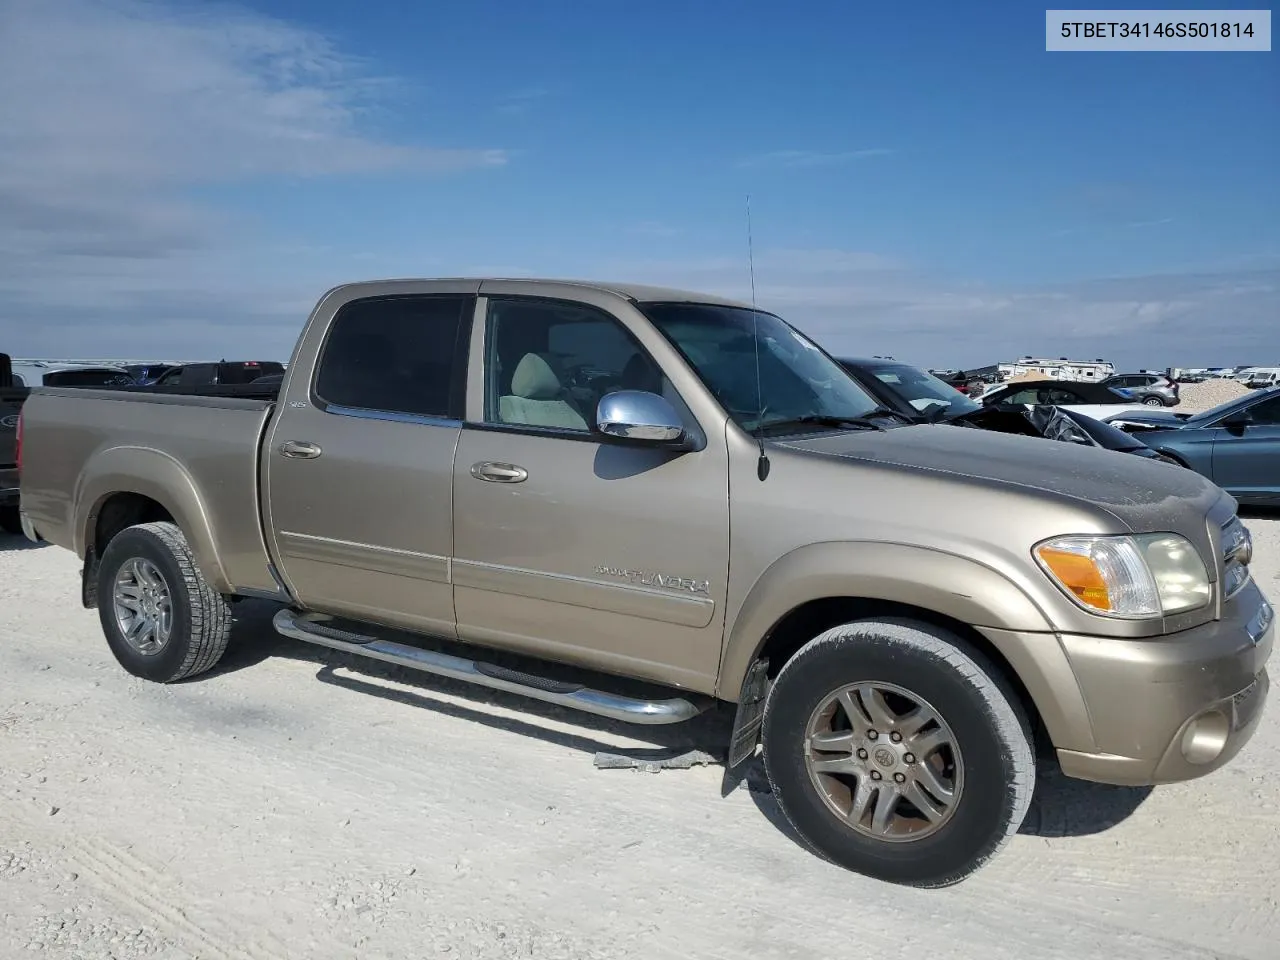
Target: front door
(572,547)
(1246,462)
(359,466)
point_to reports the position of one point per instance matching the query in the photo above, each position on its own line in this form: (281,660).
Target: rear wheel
(1153,402)
(161,618)
(897,751)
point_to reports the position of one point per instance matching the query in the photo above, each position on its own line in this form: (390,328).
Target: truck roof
(638,292)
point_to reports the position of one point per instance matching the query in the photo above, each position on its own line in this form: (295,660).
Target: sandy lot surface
(296,804)
(1198,397)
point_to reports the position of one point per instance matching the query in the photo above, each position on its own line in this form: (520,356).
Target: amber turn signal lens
(1079,574)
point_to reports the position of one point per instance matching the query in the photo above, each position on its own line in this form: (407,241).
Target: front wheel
(162,620)
(897,751)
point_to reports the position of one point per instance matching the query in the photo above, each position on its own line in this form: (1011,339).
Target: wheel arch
(818,587)
(128,485)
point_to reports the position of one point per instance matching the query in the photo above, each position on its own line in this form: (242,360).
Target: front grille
(1237,551)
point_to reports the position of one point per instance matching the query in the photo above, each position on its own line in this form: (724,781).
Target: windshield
(922,389)
(797,379)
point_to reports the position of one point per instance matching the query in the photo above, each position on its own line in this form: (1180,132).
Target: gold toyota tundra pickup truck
(642,503)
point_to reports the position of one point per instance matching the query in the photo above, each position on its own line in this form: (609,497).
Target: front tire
(898,751)
(162,620)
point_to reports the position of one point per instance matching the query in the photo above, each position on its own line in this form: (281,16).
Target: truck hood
(1137,490)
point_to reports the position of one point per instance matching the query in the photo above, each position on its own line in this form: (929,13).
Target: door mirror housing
(1236,422)
(640,417)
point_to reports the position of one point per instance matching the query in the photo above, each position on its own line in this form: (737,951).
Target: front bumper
(1163,710)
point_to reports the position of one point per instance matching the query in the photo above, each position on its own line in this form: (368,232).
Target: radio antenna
(762,465)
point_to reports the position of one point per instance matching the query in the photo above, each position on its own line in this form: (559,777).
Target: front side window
(396,354)
(1267,412)
(549,363)
(765,374)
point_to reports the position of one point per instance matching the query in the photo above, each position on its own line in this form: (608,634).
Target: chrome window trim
(394,416)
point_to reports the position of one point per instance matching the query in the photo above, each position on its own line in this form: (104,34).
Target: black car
(917,395)
(1057,393)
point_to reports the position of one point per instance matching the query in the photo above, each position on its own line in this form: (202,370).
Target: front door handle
(300,449)
(499,472)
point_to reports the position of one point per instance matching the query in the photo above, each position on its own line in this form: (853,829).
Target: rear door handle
(300,449)
(499,472)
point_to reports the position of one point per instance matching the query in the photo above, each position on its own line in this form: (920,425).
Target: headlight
(1131,577)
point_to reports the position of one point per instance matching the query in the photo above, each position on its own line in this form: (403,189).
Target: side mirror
(637,416)
(1237,421)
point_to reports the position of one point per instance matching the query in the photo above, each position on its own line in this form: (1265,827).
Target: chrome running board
(311,628)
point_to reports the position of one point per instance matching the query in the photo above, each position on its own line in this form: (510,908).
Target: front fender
(948,584)
(158,476)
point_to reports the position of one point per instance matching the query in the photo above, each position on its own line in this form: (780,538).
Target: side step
(310,628)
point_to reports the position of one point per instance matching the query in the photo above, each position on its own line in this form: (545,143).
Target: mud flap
(89,580)
(750,715)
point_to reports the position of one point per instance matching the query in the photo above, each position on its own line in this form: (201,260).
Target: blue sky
(926,181)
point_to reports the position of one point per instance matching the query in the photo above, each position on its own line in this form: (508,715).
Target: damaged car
(917,395)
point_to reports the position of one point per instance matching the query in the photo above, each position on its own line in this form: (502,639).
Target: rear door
(1246,462)
(359,463)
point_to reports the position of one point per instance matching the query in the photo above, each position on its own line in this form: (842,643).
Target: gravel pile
(1204,396)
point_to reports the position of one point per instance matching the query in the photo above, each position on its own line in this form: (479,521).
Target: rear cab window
(403,356)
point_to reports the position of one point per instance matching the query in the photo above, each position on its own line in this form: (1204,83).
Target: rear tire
(11,520)
(1153,402)
(148,576)
(821,760)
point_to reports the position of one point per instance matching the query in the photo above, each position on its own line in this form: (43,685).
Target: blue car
(1236,444)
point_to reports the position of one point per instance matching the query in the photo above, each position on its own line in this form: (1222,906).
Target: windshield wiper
(822,420)
(886,412)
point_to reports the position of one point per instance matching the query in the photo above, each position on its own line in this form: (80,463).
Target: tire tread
(210,612)
(976,669)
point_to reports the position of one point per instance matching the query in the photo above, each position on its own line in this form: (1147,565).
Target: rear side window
(397,354)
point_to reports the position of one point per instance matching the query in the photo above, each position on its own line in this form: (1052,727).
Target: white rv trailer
(1059,369)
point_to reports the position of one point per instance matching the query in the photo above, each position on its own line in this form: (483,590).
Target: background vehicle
(11,398)
(916,393)
(1091,399)
(224,372)
(43,373)
(1236,444)
(646,503)
(1153,389)
(146,373)
(1263,377)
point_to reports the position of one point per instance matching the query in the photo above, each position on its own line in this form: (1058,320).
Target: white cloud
(811,158)
(114,109)
(653,228)
(860,303)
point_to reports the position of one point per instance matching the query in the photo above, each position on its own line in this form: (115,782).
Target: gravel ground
(296,804)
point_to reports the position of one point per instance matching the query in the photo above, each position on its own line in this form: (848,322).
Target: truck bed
(196,456)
